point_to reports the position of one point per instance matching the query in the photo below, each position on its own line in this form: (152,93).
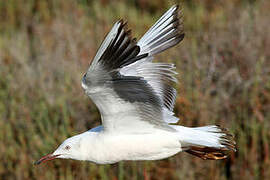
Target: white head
(69,149)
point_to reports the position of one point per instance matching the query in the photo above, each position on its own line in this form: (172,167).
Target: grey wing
(165,33)
(126,93)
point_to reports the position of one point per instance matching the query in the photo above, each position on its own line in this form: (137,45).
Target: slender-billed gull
(135,97)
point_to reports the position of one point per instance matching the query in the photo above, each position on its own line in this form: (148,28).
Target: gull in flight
(135,98)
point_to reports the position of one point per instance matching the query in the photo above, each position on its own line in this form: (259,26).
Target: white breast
(111,148)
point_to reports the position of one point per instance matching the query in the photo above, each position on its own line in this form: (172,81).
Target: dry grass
(224,75)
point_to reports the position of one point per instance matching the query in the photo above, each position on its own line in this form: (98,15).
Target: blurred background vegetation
(224,75)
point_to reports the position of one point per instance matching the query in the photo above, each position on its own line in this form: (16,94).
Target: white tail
(207,142)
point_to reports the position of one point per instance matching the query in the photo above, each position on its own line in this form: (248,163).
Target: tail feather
(207,142)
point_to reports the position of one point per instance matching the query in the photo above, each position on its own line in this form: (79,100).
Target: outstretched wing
(131,92)
(165,33)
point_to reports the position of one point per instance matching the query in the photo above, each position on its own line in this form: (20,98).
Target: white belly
(113,148)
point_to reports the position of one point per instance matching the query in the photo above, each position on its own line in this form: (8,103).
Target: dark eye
(67,147)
